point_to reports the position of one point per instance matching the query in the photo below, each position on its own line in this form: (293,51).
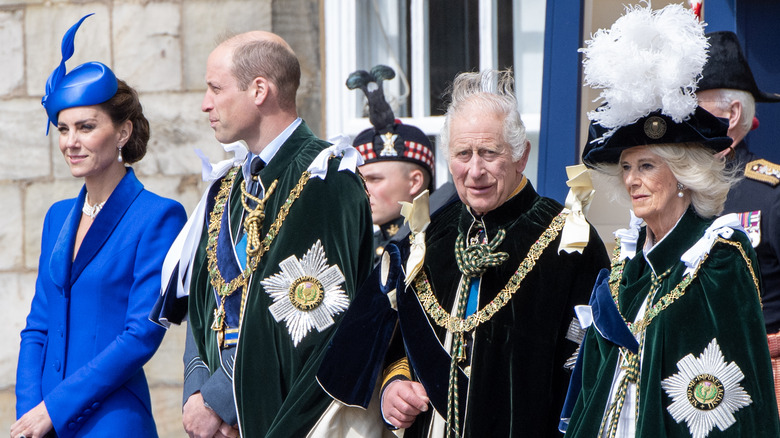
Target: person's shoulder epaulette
(763,170)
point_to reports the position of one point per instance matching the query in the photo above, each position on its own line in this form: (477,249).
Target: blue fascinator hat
(90,83)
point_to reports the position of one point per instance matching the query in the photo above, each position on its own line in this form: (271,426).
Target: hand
(198,420)
(227,431)
(402,402)
(34,424)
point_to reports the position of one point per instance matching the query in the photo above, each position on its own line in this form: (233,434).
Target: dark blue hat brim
(701,127)
(90,83)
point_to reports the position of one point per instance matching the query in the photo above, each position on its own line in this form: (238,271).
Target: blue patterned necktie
(254,168)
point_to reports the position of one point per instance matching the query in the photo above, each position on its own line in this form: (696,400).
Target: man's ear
(523,161)
(260,88)
(735,113)
(416,181)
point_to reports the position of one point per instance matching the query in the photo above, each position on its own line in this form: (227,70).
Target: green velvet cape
(518,381)
(276,392)
(721,303)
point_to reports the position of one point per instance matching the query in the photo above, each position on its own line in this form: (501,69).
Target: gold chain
(614,282)
(459,325)
(255,247)
(220,285)
(616,273)
(747,262)
(676,293)
(665,301)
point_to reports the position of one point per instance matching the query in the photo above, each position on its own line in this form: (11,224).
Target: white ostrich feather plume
(648,60)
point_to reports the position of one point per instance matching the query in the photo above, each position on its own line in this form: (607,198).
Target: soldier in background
(398,158)
(727,89)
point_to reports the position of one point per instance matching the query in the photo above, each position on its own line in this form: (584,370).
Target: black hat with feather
(389,139)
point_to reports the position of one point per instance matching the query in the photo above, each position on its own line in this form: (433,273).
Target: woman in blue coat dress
(80,370)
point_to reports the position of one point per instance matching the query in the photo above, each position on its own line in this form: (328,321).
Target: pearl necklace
(91,210)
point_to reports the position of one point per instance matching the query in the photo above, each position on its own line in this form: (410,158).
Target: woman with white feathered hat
(676,346)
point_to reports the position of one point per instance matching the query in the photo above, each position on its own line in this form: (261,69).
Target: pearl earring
(680,188)
(119,158)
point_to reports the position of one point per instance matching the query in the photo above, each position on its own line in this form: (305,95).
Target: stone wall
(160,48)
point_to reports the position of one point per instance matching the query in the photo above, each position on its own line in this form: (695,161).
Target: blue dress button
(56,364)
(87,411)
(95,405)
(72,426)
(79,420)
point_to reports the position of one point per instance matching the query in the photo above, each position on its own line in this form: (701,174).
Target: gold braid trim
(616,273)
(397,368)
(459,325)
(255,247)
(614,284)
(675,294)
(747,262)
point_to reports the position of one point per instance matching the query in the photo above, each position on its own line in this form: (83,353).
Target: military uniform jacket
(276,357)
(517,381)
(719,312)
(758,202)
(385,234)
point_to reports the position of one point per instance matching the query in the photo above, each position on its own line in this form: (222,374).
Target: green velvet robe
(276,392)
(721,303)
(518,380)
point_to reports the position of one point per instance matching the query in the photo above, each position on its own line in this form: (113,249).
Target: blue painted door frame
(558,135)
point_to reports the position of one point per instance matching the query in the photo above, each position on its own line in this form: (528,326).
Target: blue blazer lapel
(61,259)
(105,222)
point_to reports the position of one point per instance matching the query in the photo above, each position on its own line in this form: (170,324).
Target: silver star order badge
(306,292)
(706,392)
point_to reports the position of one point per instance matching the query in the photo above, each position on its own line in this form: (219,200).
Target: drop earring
(119,158)
(680,188)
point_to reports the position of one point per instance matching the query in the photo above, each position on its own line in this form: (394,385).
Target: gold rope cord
(265,245)
(255,247)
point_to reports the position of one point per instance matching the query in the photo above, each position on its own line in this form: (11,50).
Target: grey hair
(694,166)
(727,95)
(492,91)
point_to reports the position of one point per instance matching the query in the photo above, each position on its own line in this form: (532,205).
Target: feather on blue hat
(90,83)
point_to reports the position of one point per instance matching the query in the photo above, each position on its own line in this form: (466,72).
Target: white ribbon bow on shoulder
(350,157)
(211,172)
(723,226)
